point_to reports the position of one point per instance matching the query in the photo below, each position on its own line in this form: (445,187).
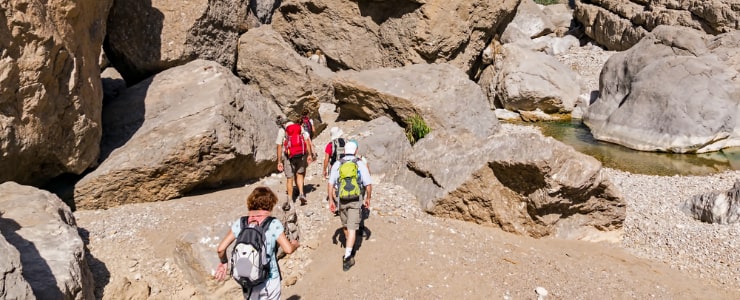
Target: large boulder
(384,144)
(192,126)
(50,91)
(368,34)
(531,80)
(440,93)
(618,25)
(12,283)
(716,207)
(654,97)
(530,20)
(42,228)
(281,74)
(523,183)
(148,36)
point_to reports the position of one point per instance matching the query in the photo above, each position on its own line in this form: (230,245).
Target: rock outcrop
(530,20)
(281,74)
(12,283)
(148,36)
(50,91)
(42,228)
(655,96)
(364,34)
(531,80)
(716,207)
(523,183)
(618,25)
(192,126)
(384,144)
(440,93)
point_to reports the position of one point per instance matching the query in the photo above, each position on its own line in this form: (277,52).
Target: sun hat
(336,133)
(350,148)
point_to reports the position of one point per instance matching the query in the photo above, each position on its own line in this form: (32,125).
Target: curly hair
(262,198)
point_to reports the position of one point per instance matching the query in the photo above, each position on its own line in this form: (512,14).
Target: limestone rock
(12,283)
(560,16)
(530,20)
(653,97)
(618,25)
(263,9)
(488,82)
(50,87)
(524,183)
(440,93)
(384,144)
(43,230)
(287,78)
(716,207)
(188,127)
(530,80)
(536,115)
(148,36)
(365,34)
(505,114)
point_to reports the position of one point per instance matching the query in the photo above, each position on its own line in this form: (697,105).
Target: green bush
(416,128)
(546,2)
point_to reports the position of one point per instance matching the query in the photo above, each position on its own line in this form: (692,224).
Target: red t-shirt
(328,149)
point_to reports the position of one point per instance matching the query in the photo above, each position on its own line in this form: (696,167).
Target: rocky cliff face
(50,90)
(371,34)
(618,24)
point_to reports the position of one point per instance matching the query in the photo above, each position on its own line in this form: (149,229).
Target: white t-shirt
(281,134)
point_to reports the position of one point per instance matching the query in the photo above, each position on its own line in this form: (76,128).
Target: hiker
(294,153)
(259,204)
(346,174)
(308,127)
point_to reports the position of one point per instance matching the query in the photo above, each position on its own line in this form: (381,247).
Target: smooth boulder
(146,37)
(189,127)
(531,80)
(654,97)
(281,74)
(42,228)
(441,94)
(50,90)
(384,144)
(530,20)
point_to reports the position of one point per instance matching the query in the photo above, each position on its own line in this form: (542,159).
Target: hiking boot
(303,199)
(348,263)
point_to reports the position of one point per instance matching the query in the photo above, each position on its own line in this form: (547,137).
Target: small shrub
(416,128)
(546,2)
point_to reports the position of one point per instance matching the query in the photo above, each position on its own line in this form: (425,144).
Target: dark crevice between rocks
(63,186)
(422,173)
(380,12)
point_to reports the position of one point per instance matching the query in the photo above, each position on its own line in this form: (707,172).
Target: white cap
(335,133)
(350,148)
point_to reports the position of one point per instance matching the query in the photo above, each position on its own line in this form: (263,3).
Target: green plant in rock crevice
(546,2)
(416,128)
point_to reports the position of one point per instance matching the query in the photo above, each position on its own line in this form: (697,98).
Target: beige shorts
(298,164)
(349,213)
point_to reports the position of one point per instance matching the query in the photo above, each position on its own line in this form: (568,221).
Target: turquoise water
(577,135)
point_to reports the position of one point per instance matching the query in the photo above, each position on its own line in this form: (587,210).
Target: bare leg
(299,182)
(351,235)
(289,188)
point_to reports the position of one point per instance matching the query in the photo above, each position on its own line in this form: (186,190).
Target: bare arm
(368,194)
(221,250)
(280,157)
(288,246)
(325,166)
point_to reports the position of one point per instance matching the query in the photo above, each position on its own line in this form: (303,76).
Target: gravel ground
(657,229)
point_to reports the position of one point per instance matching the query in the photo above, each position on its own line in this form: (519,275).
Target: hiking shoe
(303,199)
(348,263)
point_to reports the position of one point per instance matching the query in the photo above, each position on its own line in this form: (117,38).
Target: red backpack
(294,143)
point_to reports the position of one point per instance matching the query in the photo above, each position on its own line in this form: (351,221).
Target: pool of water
(577,135)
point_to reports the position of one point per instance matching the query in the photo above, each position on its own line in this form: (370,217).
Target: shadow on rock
(100,272)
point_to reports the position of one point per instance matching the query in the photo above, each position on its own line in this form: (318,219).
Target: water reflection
(577,135)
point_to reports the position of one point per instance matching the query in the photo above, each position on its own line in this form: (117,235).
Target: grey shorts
(298,164)
(349,213)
